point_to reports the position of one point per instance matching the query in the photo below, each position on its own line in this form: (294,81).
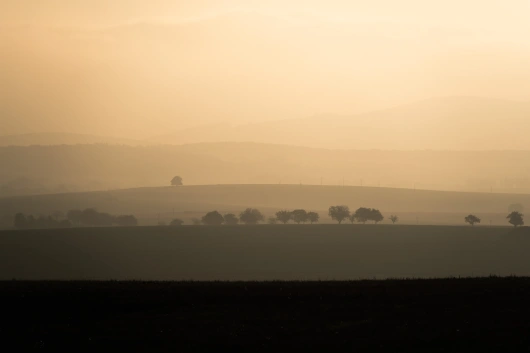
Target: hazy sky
(495,15)
(138,68)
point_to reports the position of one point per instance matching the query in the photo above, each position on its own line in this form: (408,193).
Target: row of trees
(214,218)
(91,217)
(22,221)
(254,216)
(297,216)
(87,217)
(515,218)
(361,215)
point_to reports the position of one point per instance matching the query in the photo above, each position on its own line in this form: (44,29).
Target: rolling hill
(73,168)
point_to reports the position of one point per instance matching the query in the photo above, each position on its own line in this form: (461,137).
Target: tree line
(86,217)
(298,216)
(214,218)
(515,218)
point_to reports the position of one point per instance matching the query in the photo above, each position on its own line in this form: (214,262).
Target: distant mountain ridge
(448,123)
(57,138)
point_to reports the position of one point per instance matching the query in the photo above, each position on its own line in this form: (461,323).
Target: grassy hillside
(264,252)
(53,169)
(164,203)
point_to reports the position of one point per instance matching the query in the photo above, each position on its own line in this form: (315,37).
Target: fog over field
(155,113)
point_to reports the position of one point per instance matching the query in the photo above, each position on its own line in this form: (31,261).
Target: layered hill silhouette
(449,123)
(52,139)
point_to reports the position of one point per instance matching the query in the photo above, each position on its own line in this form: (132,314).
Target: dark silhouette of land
(443,315)
(264,252)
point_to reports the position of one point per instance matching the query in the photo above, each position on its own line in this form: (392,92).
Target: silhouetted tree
(351,218)
(284,216)
(213,218)
(196,221)
(251,216)
(394,218)
(339,213)
(515,218)
(176,181)
(376,216)
(313,217)
(91,217)
(126,221)
(176,222)
(231,219)
(299,216)
(472,219)
(20,221)
(362,214)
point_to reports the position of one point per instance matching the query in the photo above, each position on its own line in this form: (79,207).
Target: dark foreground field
(446,315)
(291,252)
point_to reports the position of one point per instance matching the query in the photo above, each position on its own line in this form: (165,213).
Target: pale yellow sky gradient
(138,68)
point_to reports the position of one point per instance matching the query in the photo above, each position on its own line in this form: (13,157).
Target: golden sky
(137,68)
(495,14)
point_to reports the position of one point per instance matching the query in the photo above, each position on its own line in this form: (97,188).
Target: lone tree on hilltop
(339,213)
(472,219)
(176,181)
(394,219)
(251,216)
(176,222)
(284,216)
(213,218)
(515,218)
(231,219)
(299,216)
(313,217)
